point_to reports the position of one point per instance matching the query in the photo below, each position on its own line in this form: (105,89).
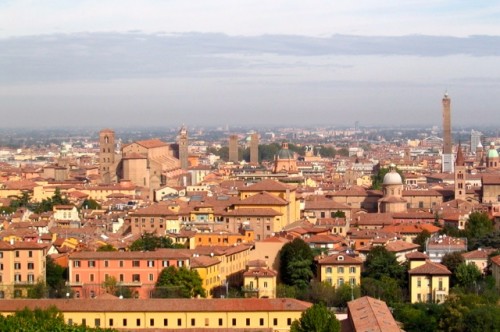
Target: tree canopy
(179,282)
(316,319)
(41,320)
(296,260)
(381,262)
(151,242)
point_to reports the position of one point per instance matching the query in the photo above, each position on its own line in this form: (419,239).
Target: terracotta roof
(326,204)
(430,268)
(496,260)
(203,261)
(398,246)
(260,272)
(339,259)
(370,315)
(478,254)
(267,185)
(117,255)
(491,179)
(151,143)
(262,198)
(253,212)
(157,305)
(416,255)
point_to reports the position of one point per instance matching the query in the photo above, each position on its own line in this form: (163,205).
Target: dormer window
(340,258)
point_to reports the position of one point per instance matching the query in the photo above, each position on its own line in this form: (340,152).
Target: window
(419,282)
(17,277)
(234,322)
(110,322)
(340,269)
(124,321)
(1,254)
(17,253)
(265,284)
(151,263)
(91,263)
(288,321)
(121,278)
(261,321)
(31,266)
(76,263)
(1,266)
(165,264)
(31,278)
(340,281)
(121,263)
(207,321)
(136,277)
(97,322)
(30,254)
(136,263)
(352,281)
(220,322)
(138,322)
(18,293)
(352,269)
(275,321)
(179,322)
(17,266)
(91,277)
(151,322)
(420,204)
(151,277)
(165,321)
(329,270)
(193,322)
(248,321)
(180,263)
(70,321)
(84,322)
(106,263)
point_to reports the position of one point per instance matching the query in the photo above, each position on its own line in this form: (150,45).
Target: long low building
(171,314)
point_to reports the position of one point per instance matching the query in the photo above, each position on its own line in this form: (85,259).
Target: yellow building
(172,314)
(429,282)
(209,271)
(260,282)
(338,269)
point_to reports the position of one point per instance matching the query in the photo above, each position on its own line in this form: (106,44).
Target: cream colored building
(429,282)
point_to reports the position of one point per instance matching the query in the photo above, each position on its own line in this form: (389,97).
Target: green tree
(418,317)
(181,282)
(478,225)
(38,320)
(151,242)
(344,294)
(421,238)
(452,260)
(90,204)
(38,290)
(339,214)
(316,319)
(106,247)
(56,276)
(467,275)
(296,260)
(381,262)
(387,289)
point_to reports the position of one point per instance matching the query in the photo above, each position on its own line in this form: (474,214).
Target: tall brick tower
(254,148)
(460,172)
(447,156)
(183,147)
(106,155)
(233,148)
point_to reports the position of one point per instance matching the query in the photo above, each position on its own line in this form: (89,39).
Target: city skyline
(109,63)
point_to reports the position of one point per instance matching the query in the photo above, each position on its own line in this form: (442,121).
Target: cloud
(81,56)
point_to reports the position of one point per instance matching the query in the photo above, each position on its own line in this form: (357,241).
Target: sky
(123,63)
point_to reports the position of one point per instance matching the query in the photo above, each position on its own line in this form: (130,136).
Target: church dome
(492,152)
(284,152)
(392,177)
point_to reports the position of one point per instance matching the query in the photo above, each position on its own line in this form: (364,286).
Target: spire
(460,156)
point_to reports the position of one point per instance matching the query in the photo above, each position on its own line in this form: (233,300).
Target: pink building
(137,271)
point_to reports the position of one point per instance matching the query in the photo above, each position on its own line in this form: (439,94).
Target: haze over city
(122,63)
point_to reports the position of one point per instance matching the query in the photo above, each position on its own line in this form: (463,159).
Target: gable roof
(430,268)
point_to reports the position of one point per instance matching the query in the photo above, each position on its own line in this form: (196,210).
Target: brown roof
(339,259)
(263,198)
(370,315)
(416,255)
(151,143)
(430,268)
(157,305)
(253,212)
(260,272)
(267,185)
(116,255)
(326,204)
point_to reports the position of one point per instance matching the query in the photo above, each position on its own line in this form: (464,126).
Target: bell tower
(106,155)
(460,188)
(183,147)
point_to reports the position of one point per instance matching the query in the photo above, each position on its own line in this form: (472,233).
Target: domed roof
(492,152)
(392,177)
(284,153)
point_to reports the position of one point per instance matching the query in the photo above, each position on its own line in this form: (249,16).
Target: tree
(418,317)
(110,285)
(452,260)
(478,226)
(106,247)
(55,278)
(296,259)
(467,275)
(316,319)
(339,214)
(181,282)
(90,204)
(421,238)
(344,294)
(387,289)
(37,320)
(151,242)
(38,290)
(381,262)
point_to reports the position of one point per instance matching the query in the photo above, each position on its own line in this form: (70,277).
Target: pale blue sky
(120,62)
